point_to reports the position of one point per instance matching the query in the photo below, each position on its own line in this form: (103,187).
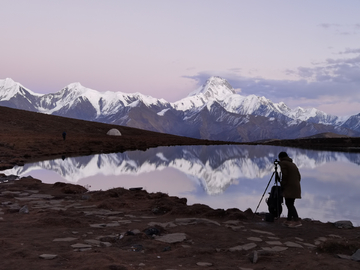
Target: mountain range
(214,111)
(214,168)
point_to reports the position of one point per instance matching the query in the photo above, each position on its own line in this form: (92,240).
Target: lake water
(227,176)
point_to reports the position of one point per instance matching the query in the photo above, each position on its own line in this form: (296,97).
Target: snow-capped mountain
(214,111)
(214,168)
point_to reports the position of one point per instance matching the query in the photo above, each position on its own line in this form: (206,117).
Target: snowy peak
(9,89)
(214,111)
(214,88)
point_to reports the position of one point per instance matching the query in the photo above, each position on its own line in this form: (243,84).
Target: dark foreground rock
(66,227)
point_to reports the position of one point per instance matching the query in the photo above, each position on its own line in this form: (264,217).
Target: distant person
(64,135)
(290,183)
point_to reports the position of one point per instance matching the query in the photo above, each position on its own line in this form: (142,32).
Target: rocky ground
(63,226)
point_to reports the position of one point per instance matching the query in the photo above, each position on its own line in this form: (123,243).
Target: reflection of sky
(330,184)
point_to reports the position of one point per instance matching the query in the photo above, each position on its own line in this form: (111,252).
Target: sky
(304,53)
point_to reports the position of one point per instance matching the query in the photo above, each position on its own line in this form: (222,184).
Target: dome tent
(114,132)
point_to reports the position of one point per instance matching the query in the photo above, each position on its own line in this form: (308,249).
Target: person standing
(290,183)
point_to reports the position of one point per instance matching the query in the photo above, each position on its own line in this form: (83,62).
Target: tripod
(275,199)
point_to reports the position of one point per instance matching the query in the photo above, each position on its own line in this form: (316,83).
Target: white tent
(114,132)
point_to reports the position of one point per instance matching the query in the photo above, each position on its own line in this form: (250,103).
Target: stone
(66,239)
(80,246)
(204,264)
(275,248)
(171,238)
(345,257)
(243,247)
(308,245)
(343,224)
(274,243)
(236,248)
(254,257)
(292,244)
(48,256)
(105,244)
(262,232)
(232,222)
(322,239)
(234,228)
(98,225)
(356,256)
(273,237)
(92,242)
(24,210)
(42,196)
(188,221)
(163,225)
(249,246)
(255,239)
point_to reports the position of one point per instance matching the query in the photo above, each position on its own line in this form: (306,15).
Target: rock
(163,225)
(254,257)
(66,239)
(243,247)
(255,239)
(232,222)
(356,256)
(346,257)
(93,242)
(80,246)
(105,244)
(274,243)
(48,256)
(137,248)
(188,221)
(152,231)
(171,238)
(262,232)
(42,196)
(292,244)
(276,248)
(344,224)
(204,264)
(24,210)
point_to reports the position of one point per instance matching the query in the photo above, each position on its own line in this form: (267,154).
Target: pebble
(204,264)
(171,238)
(48,256)
(65,239)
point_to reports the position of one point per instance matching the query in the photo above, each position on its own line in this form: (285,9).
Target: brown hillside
(28,136)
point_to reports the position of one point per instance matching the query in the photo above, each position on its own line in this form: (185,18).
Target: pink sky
(305,53)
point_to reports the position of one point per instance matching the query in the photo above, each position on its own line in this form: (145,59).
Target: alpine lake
(227,176)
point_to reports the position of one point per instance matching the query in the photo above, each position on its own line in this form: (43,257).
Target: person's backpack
(275,201)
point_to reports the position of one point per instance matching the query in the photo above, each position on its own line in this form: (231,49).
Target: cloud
(326,84)
(342,29)
(348,50)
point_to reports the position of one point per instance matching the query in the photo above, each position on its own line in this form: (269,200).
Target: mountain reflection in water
(224,176)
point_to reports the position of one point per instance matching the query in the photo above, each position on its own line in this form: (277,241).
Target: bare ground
(123,228)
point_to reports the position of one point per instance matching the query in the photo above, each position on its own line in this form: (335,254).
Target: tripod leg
(264,193)
(278,195)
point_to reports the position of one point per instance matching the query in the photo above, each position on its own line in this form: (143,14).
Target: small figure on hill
(64,135)
(290,183)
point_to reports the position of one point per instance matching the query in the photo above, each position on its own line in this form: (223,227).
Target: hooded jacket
(290,180)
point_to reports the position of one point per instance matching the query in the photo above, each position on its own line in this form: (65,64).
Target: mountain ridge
(199,115)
